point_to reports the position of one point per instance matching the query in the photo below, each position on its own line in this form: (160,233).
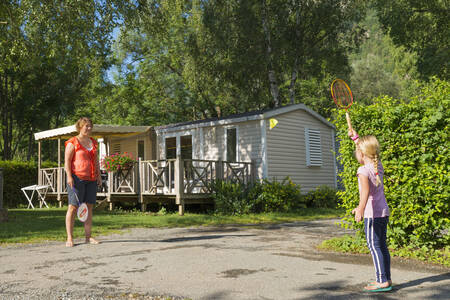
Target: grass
(40,225)
(352,244)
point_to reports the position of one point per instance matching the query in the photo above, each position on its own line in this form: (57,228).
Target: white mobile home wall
(286,151)
(277,152)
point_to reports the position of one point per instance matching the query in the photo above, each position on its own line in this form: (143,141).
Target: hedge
(415,144)
(17,174)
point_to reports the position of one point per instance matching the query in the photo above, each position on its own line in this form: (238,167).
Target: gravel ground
(229,262)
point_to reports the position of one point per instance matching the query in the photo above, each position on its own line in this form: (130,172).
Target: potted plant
(118,161)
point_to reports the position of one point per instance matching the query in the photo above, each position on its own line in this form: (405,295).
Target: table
(39,190)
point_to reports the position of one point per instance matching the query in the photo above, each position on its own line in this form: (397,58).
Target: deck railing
(160,177)
(123,181)
(157,176)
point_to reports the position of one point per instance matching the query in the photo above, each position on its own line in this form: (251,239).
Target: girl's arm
(351,132)
(363,197)
(68,155)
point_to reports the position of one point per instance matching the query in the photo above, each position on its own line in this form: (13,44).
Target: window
(171,148)
(141,149)
(186,146)
(313,148)
(115,148)
(231,144)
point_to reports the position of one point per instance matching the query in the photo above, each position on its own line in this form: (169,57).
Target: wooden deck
(179,181)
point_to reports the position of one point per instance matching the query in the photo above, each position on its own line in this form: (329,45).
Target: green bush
(17,174)
(275,196)
(231,198)
(322,197)
(415,145)
(265,196)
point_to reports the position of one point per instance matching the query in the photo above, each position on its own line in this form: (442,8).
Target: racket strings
(342,95)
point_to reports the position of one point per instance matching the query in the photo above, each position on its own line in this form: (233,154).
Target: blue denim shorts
(86,191)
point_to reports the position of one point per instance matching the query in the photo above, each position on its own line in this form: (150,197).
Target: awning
(99,131)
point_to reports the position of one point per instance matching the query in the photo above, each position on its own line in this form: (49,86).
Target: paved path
(232,262)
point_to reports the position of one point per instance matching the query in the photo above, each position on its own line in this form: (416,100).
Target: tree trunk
(295,66)
(4,116)
(293,80)
(10,119)
(274,90)
(2,100)
(30,144)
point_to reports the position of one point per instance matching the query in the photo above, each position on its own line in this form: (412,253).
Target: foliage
(162,211)
(186,60)
(379,67)
(358,244)
(415,147)
(118,161)
(51,53)
(232,198)
(278,196)
(16,175)
(420,26)
(437,256)
(266,196)
(322,196)
(315,93)
(347,244)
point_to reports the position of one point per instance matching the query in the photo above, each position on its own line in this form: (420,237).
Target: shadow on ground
(408,290)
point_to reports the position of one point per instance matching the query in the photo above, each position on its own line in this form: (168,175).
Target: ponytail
(375,165)
(370,147)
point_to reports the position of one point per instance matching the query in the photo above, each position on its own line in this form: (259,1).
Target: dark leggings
(375,229)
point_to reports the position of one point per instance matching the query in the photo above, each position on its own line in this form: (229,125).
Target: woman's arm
(68,155)
(363,197)
(97,168)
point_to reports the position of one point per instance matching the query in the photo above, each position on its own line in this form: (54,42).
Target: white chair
(41,192)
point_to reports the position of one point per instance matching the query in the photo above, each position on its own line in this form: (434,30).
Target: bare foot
(376,283)
(92,241)
(69,244)
(378,287)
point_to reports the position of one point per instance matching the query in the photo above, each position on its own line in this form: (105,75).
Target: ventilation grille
(313,148)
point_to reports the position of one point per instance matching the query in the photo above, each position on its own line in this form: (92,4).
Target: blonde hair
(370,147)
(81,122)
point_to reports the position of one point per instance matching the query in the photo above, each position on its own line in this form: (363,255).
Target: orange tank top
(84,161)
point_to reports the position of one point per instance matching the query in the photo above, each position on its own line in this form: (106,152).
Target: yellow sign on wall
(273,122)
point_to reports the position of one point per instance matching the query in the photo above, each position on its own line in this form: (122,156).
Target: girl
(372,207)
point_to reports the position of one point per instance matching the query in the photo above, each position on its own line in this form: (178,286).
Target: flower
(118,161)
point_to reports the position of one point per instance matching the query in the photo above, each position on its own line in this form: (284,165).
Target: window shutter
(115,148)
(313,148)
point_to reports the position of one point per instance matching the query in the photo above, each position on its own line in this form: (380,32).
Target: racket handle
(349,122)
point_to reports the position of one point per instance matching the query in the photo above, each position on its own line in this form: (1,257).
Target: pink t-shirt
(376,206)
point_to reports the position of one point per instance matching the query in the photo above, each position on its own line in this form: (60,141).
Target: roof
(242,117)
(99,131)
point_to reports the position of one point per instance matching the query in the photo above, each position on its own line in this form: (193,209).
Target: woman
(83,175)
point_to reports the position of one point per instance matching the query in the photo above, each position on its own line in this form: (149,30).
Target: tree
(151,58)
(381,68)
(423,27)
(49,53)
(270,45)
(213,58)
